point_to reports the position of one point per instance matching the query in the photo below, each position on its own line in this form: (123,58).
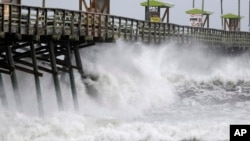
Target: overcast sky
(132,9)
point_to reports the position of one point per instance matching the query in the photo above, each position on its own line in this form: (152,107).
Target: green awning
(231,16)
(198,11)
(156,3)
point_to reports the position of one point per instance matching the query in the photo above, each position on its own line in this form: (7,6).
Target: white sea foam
(137,92)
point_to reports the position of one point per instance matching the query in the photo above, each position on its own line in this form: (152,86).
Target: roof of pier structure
(157,3)
(199,11)
(231,16)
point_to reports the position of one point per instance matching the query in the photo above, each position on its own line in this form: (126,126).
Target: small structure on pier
(196,17)
(231,21)
(11,1)
(97,6)
(6,7)
(155,10)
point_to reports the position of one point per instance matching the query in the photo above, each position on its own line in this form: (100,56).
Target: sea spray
(128,77)
(143,92)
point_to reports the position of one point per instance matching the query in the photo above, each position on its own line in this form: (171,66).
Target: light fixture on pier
(249,16)
(202,12)
(239,15)
(43,3)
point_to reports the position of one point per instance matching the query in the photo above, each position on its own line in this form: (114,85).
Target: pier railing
(37,21)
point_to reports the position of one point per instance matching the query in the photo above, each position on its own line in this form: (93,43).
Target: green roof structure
(157,3)
(198,11)
(231,16)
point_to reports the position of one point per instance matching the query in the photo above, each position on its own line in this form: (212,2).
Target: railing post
(149,32)
(63,26)
(93,25)
(54,22)
(126,28)
(100,25)
(154,32)
(19,19)
(2,22)
(10,18)
(174,34)
(183,35)
(28,22)
(178,34)
(37,21)
(159,31)
(131,29)
(164,31)
(72,22)
(119,26)
(46,21)
(169,31)
(143,28)
(137,30)
(106,27)
(80,24)
(87,24)
(113,26)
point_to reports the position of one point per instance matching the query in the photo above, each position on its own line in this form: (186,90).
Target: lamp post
(80,5)
(202,11)
(239,15)
(202,7)
(249,17)
(43,3)
(148,11)
(193,3)
(221,10)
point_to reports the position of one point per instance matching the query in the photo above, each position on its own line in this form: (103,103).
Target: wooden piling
(78,61)
(55,74)
(71,76)
(14,78)
(37,79)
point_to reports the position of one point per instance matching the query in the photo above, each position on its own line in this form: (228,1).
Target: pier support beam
(2,93)
(14,78)
(78,61)
(37,80)
(55,74)
(71,76)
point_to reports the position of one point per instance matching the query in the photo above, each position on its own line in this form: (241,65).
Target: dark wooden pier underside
(31,35)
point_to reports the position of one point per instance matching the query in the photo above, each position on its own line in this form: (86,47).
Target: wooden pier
(29,35)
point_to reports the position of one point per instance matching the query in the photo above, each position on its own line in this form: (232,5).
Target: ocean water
(137,92)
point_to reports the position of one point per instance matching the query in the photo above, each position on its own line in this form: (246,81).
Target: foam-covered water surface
(138,92)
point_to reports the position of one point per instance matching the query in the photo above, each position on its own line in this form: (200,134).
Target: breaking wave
(138,92)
